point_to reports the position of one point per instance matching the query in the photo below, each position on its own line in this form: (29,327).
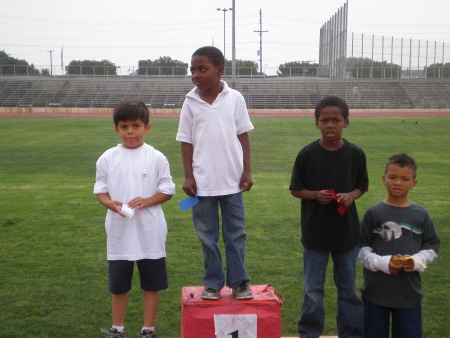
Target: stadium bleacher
(260,92)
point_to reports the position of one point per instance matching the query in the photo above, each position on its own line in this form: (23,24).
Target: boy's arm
(322,196)
(348,198)
(187,152)
(158,198)
(246,182)
(369,259)
(112,205)
(425,257)
(374,262)
(430,246)
(325,197)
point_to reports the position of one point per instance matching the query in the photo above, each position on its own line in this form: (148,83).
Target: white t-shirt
(125,174)
(212,129)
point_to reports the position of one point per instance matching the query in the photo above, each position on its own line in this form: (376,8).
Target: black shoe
(242,291)
(148,334)
(113,333)
(211,294)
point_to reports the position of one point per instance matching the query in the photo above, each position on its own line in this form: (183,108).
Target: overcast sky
(125,32)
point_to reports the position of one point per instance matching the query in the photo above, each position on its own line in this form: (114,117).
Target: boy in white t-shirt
(215,148)
(133,180)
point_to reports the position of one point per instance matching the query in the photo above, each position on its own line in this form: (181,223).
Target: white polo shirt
(212,129)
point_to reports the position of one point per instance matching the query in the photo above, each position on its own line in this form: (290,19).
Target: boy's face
(204,74)
(132,133)
(399,180)
(331,123)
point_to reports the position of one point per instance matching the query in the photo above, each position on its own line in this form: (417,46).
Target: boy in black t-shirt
(328,176)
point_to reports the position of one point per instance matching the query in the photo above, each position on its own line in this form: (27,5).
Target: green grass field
(53,279)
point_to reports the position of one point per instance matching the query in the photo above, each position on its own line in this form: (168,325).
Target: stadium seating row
(259,92)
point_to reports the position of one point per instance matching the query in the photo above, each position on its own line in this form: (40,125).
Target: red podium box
(206,318)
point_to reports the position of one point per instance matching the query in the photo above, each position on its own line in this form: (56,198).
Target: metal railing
(383,71)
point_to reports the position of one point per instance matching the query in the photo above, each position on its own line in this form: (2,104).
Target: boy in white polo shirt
(215,148)
(133,180)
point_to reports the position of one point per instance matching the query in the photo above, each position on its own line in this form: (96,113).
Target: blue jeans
(206,222)
(406,323)
(350,308)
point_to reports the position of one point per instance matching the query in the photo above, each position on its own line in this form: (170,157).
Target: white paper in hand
(127,211)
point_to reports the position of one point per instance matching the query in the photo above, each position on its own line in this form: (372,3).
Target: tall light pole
(51,63)
(224,10)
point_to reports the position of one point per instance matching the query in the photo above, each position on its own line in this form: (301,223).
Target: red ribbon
(342,209)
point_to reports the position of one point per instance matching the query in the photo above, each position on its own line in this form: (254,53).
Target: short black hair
(402,160)
(333,101)
(131,109)
(213,54)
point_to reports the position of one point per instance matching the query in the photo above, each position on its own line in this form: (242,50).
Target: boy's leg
(350,314)
(206,222)
(234,237)
(376,321)
(407,323)
(312,316)
(150,307)
(120,275)
(153,277)
(119,307)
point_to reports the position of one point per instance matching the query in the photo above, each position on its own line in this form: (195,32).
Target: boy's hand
(246,182)
(116,206)
(189,187)
(137,202)
(345,199)
(404,262)
(408,265)
(324,196)
(112,205)
(394,267)
(401,262)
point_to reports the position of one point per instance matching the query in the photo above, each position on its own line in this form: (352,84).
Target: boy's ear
(148,127)
(220,69)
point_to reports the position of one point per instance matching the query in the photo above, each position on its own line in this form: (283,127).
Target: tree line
(356,67)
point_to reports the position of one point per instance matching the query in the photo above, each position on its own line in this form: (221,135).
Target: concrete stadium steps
(260,92)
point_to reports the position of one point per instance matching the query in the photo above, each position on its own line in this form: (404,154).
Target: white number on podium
(236,326)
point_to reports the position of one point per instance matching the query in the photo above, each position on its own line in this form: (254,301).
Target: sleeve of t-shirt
(101,177)
(185,125)
(430,238)
(362,182)
(165,183)
(365,233)
(243,121)
(297,181)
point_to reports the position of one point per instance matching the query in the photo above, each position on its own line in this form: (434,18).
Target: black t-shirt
(343,170)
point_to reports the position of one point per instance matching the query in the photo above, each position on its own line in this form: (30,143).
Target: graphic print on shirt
(390,231)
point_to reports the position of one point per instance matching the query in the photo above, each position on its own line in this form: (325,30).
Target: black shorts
(152,273)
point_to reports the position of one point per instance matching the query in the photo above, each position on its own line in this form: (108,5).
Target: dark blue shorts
(152,273)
